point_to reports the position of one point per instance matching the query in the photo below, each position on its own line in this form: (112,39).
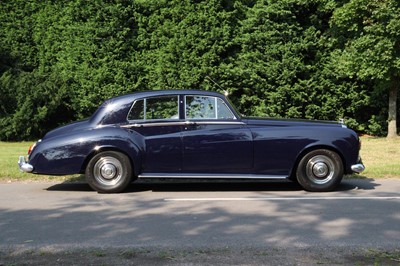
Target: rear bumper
(24,166)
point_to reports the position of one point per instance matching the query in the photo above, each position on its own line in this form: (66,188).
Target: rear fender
(130,149)
(69,154)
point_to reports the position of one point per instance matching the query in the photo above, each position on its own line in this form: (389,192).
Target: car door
(214,140)
(156,119)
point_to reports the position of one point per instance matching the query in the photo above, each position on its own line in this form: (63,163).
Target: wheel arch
(307,150)
(134,160)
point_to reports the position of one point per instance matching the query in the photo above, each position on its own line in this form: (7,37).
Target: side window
(223,111)
(162,108)
(205,107)
(200,107)
(155,108)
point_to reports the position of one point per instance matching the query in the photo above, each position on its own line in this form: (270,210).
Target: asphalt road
(362,213)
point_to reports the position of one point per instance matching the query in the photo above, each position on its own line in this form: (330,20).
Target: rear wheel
(109,172)
(320,170)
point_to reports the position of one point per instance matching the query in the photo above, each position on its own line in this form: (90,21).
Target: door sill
(210,176)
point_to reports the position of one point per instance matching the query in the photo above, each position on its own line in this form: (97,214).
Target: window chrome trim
(155,124)
(181,123)
(208,122)
(216,107)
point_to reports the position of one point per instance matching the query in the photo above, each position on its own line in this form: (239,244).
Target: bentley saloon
(193,134)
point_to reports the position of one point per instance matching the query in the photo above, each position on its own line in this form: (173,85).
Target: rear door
(157,120)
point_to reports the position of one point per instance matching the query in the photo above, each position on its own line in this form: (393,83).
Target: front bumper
(24,166)
(358,168)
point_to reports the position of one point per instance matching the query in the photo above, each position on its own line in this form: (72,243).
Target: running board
(211,176)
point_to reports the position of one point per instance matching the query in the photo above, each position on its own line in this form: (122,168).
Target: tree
(368,37)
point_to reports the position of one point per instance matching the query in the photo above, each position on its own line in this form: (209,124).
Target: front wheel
(109,172)
(320,171)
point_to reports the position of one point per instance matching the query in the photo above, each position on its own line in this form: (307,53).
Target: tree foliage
(368,46)
(319,59)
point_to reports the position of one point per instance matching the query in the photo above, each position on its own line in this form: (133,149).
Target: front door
(214,140)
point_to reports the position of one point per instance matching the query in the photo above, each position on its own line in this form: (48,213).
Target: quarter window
(137,111)
(155,108)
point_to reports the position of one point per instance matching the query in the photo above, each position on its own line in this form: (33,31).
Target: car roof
(143,94)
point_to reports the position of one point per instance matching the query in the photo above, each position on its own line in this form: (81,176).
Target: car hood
(67,129)
(255,121)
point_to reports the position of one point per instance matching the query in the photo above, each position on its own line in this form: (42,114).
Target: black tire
(320,171)
(109,172)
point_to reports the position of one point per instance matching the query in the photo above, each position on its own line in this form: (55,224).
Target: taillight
(31,148)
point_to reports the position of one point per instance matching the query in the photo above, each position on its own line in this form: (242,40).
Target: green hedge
(60,59)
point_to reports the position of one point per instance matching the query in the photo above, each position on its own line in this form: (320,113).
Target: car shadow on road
(180,185)
(358,184)
(212,186)
(70,186)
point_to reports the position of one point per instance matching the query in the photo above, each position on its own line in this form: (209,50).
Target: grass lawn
(381,157)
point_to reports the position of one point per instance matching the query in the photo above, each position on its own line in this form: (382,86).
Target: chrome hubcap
(320,169)
(108,171)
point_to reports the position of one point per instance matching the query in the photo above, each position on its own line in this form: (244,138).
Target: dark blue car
(193,134)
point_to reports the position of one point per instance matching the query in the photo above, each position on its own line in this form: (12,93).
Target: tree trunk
(392,118)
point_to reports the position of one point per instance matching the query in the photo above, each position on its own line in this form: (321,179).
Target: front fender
(343,141)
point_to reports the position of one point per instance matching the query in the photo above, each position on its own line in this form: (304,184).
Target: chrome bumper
(24,166)
(358,168)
